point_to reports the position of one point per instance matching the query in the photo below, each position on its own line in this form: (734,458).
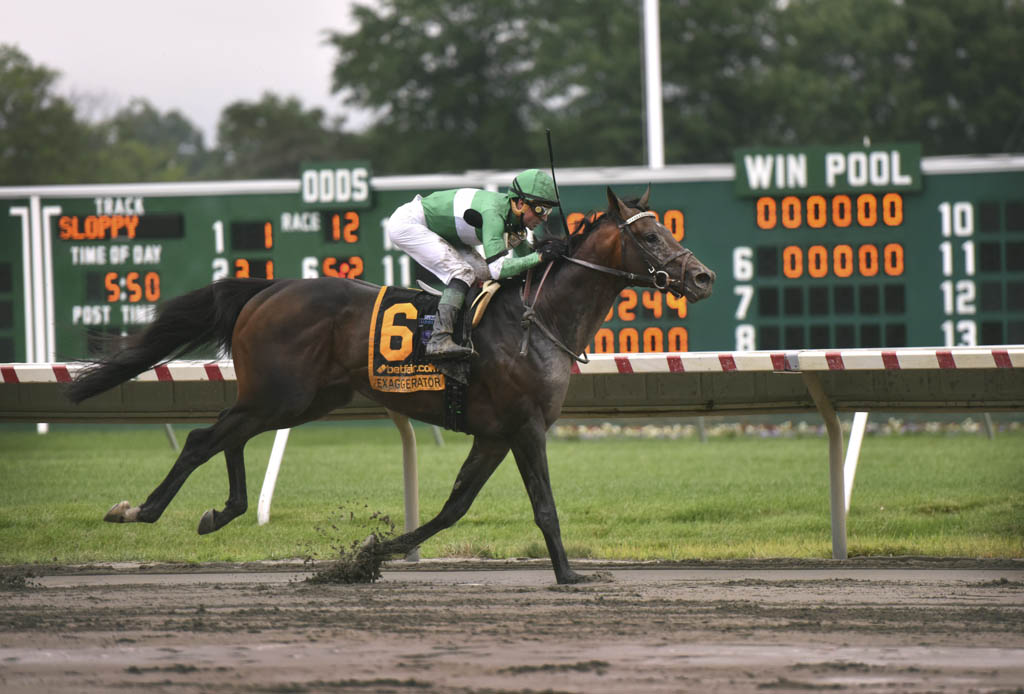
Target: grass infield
(930,494)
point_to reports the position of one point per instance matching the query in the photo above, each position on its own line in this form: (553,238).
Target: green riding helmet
(534,185)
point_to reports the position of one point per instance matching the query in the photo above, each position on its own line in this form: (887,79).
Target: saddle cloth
(401,325)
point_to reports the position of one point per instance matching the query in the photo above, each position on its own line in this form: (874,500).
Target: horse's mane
(593,219)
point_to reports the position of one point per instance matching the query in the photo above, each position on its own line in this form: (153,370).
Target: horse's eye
(651,237)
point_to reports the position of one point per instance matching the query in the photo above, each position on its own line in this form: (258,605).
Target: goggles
(538,209)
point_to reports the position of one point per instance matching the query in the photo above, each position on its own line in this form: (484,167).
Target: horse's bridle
(657,277)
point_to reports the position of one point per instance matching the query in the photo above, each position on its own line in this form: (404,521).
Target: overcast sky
(195,56)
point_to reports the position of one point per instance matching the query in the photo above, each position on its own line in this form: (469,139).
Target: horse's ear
(642,203)
(617,206)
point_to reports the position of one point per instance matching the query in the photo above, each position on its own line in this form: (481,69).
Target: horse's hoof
(207,524)
(122,513)
(368,544)
(596,577)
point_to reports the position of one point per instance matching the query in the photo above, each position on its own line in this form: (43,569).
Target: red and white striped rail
(182,370)
(1002,357)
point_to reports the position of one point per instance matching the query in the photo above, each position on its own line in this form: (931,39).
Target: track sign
(336,183)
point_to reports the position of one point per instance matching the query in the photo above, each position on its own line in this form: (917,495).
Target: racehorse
(300,350)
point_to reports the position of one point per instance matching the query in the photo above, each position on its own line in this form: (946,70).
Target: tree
(946,73)
(272,137)
(40,139)
(588,81)
(450,81)
(141,144)
(715,72)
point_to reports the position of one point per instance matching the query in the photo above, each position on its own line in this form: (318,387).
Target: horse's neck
(575,302)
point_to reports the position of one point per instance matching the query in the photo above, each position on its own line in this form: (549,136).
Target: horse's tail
(204,317)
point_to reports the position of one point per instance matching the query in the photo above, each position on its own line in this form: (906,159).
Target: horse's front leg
(530,450)
(484,457)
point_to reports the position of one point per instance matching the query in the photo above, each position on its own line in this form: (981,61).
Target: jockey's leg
(441,344)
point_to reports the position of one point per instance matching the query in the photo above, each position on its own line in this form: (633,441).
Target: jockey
(435,232)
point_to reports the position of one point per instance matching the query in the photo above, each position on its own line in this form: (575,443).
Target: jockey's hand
(552,249)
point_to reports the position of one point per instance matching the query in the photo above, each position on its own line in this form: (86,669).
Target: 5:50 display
(132,287)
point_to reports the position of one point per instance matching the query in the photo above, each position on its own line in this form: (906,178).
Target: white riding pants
(407,228)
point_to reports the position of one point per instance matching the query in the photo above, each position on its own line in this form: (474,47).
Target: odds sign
(344,183)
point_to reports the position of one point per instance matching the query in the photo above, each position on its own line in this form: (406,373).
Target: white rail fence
(958,379)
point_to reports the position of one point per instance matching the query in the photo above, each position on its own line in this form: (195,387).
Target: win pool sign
(795,170)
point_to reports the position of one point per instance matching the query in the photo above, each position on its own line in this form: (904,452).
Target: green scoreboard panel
(813,248)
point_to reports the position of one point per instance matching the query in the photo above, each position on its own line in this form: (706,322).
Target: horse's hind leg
(483,459)
(230,432)
(238,500)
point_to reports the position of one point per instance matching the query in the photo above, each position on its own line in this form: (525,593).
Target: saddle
(482,299)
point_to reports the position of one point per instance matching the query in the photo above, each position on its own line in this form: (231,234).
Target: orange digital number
(792,262)
(626,305)
(892,209)
(791,217)
(892,258)
(131,283)
(651,301)
(629,340)
(348,231)
(675,222)
(574,220)
(268,235)
(678,340)
(335,267)
(654,341)
(766,214)
(842,211)
(867,260)
(678,303)
(817,216)
(604,341)
(110,282)
(817,261)
(151,284)
(867,210)
(842,260)
(389,332)
(241,268)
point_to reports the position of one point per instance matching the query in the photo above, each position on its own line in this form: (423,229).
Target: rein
(530,319)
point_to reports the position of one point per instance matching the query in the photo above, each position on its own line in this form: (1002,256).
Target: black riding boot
(441,344)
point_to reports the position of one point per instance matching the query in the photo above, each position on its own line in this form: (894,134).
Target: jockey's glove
(552,249)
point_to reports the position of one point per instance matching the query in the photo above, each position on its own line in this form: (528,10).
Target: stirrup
(452,350)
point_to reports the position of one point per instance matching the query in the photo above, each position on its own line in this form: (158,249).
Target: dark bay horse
(300,351)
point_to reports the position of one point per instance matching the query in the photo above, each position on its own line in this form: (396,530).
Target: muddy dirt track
(864,626)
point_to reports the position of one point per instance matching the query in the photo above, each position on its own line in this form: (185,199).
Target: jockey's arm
(509,264)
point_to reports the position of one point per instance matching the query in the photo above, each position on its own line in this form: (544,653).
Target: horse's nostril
(703,279)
